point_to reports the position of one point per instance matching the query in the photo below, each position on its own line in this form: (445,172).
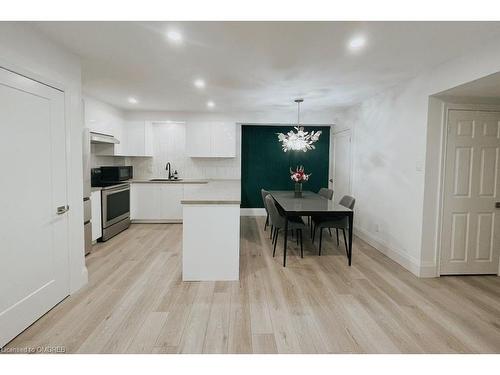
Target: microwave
(116,174)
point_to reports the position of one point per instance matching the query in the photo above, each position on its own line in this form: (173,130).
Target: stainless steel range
(115,198)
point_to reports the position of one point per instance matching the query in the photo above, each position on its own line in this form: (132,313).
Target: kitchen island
(211,231)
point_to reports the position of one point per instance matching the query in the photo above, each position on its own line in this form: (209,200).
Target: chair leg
(320,239)
(330,231)
(267,222)
(275,240)
(313,232)
(301,244)
(272,231)
(345,243)
(297,235)
(337,236)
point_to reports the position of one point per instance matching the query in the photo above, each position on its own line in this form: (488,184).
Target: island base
(211,242)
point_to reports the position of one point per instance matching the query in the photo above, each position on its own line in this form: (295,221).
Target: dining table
(311,204)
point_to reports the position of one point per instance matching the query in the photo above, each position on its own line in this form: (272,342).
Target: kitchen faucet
(168,168)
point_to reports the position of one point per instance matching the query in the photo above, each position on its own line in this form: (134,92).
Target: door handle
(62,209)
(497,205)
(330,180)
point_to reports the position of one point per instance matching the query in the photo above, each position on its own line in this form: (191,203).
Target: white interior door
(33,236)
(471,227)
(341,164)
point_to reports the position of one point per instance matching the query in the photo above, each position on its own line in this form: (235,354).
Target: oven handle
(113,191)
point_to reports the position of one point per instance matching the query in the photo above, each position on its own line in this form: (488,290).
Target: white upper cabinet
(198,139)
(135,136)
(211,139)
(224,140)
(136,139)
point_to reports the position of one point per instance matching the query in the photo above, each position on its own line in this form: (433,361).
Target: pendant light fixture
(299,140)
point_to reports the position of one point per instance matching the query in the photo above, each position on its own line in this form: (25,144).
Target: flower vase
(298,190)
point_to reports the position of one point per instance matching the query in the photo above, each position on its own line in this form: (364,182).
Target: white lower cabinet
(95,204)
(144,201)
(170,201)
(150,202)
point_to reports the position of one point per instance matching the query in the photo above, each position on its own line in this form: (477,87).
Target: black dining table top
(309,203)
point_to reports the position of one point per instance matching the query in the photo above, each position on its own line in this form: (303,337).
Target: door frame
(334,135)
(19,69)
(447,107)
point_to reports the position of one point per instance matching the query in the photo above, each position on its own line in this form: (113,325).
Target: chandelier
(299,140)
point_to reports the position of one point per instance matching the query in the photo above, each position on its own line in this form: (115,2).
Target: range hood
(103,138)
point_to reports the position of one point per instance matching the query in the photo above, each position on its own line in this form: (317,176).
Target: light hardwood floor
(136,302)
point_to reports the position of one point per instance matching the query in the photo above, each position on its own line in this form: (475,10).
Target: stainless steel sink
(165,179)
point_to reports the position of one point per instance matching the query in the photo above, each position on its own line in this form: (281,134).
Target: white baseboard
(77,284)
(252,212)
(411,264)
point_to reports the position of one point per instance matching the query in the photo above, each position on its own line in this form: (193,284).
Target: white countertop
(182,181)
(214,192)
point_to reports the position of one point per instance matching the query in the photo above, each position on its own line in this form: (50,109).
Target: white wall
(396,154)
(25,50)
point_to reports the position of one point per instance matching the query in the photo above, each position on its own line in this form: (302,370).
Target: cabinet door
(148,139)
(144,201)
(198,139)
(133,138)
(223,137)
(116,130)
(95,201)
(171,196)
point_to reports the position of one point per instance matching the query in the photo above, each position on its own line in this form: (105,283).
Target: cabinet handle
(62,209)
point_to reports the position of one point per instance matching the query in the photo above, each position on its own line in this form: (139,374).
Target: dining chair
(343,223)
(325,193)
(264,193)
(278,221)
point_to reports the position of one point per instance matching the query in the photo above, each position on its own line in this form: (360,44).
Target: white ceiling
(486,87)
(252,66)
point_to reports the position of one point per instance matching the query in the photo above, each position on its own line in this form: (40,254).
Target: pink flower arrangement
(299,176)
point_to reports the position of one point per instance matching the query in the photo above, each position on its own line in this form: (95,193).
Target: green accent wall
(264,165)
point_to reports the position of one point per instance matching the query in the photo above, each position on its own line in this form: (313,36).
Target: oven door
(115,205)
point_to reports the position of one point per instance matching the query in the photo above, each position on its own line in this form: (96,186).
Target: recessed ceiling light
(357,43)
(199,83)
(132,100)
(174,36)
(210,104)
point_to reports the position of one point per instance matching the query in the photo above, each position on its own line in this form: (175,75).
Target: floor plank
(136,302)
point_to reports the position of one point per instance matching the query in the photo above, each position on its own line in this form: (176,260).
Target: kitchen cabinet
(212,139)
(198,139)
(95,202)
(156,202)
(144,201)
(135,140)
(170,201)
(102,118)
